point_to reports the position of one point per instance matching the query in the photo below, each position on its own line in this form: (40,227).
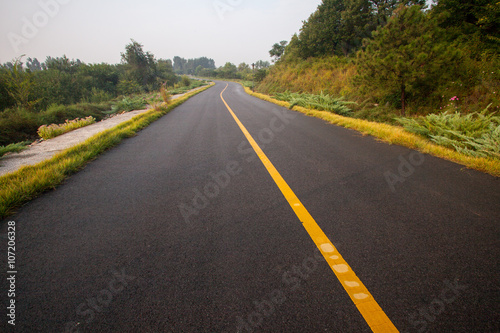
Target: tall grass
(474,134)
(51,131)
(322,102)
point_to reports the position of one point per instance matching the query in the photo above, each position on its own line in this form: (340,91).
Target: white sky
(97,31)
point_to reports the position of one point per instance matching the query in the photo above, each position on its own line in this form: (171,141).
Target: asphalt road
(182,229)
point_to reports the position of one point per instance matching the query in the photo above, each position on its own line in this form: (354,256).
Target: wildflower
(454,98)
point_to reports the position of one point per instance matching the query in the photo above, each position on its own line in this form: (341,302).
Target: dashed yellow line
(373,314)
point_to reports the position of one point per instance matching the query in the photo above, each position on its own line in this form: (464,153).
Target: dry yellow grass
(395,135)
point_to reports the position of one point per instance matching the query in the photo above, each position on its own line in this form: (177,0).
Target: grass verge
(28,182)
(394,135)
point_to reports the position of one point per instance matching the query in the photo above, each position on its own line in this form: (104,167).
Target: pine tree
(403,54)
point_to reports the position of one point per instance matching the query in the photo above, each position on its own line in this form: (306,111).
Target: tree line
(34,86)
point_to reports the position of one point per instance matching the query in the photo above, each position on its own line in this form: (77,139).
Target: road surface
(183,229)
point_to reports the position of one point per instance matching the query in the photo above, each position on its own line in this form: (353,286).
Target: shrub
(185,81)
(18,125)
(475,134)
(129,104)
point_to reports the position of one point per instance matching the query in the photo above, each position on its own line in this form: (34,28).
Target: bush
(129,104)
(18,125)
(185,81)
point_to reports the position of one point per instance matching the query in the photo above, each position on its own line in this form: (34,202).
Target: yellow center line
(373,314)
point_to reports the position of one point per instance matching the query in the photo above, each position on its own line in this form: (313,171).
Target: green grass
(28,182)
(396,135)
(51,131)
(14,148)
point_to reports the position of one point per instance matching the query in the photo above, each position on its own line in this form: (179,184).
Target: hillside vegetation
(395,58)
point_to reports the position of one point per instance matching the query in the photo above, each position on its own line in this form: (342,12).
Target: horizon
(233,31)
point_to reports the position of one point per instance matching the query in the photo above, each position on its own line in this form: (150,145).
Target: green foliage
(322,102)
(405,57)
(129,104)
(260,75)
(278,50)
(99,96)
(474,134)
(185,81)
(338,27)
(474,22)
(128,87)
(47,132)
(18,125)
(14,148)
(19,85)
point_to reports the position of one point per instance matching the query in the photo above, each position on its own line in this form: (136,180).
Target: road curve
(183,229)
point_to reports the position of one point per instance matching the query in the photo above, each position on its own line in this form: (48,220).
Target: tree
(476,22)
(139,64)
(179,64)
(262,64)
(278,50)
(33,65)
(320,34)
(19,85)
(403,54)
(229,71)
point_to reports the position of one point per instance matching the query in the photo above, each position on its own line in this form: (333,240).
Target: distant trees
(192,66)
(35,86)
(242,71)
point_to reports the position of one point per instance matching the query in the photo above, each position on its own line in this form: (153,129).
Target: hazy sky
(97,31)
